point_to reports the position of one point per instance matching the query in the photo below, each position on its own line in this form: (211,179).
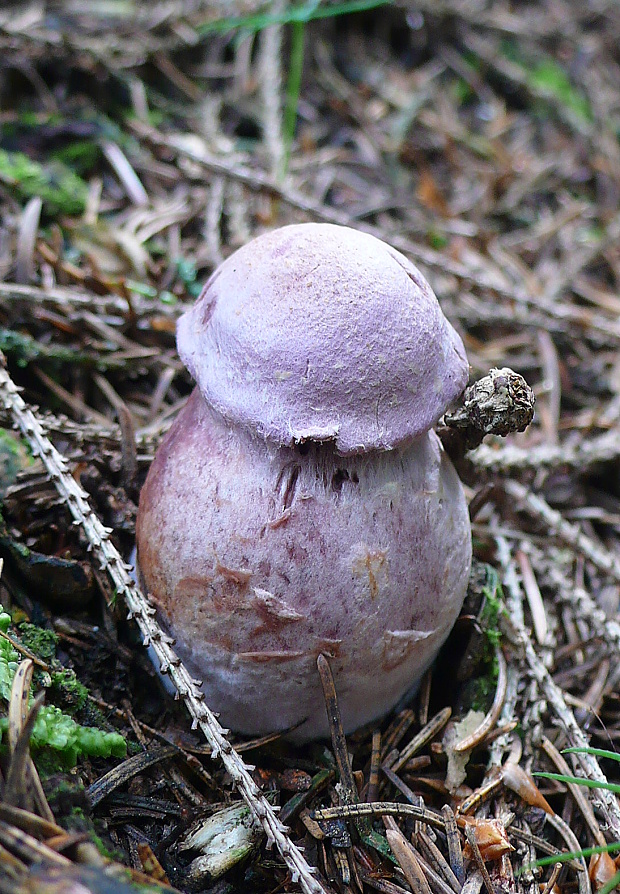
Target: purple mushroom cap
(320,332)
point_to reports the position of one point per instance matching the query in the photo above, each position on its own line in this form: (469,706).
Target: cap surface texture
(320,332)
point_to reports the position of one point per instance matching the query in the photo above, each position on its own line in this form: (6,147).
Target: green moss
(479,691)
(78,821)
(5,620)
(550,78)
(492,607)
(186,271)
(549,82)
(81,155)
(436,239)
(57,740)
(24,349)
(9,660)
(13,446)
(60,189)
(39,641)
(67,691)
(68,740)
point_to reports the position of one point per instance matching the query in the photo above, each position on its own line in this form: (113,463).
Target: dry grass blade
(583,879)
(534,597)
(427,845)
(20,789)
(23,786)
(143,613)
(550,883)
(29,822)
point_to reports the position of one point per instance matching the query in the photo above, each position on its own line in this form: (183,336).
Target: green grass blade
(611,885)
(571,855)
(578,780)
(293,89)
(597,752)
(297,14)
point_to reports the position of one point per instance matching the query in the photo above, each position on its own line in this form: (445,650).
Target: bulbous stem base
(261,557)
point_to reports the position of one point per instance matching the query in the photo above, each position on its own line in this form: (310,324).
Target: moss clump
(60,189)
(77,820)
(67,691)
(57,740)
(492,608)
(478,692)
(40,642)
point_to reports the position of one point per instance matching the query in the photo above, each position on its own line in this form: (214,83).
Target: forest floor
(140,144)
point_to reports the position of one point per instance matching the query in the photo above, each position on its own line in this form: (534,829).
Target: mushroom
(301,502)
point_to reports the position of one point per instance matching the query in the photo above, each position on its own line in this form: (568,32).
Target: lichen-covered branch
(607,801)
(506,459)
(571,534)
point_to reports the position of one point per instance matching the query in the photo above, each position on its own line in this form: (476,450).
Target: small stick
(607,801)
(379,808)
(339,742)
(508,459)
(455,852)
(550,884)
(375,766)
(422,738)
(470,834)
